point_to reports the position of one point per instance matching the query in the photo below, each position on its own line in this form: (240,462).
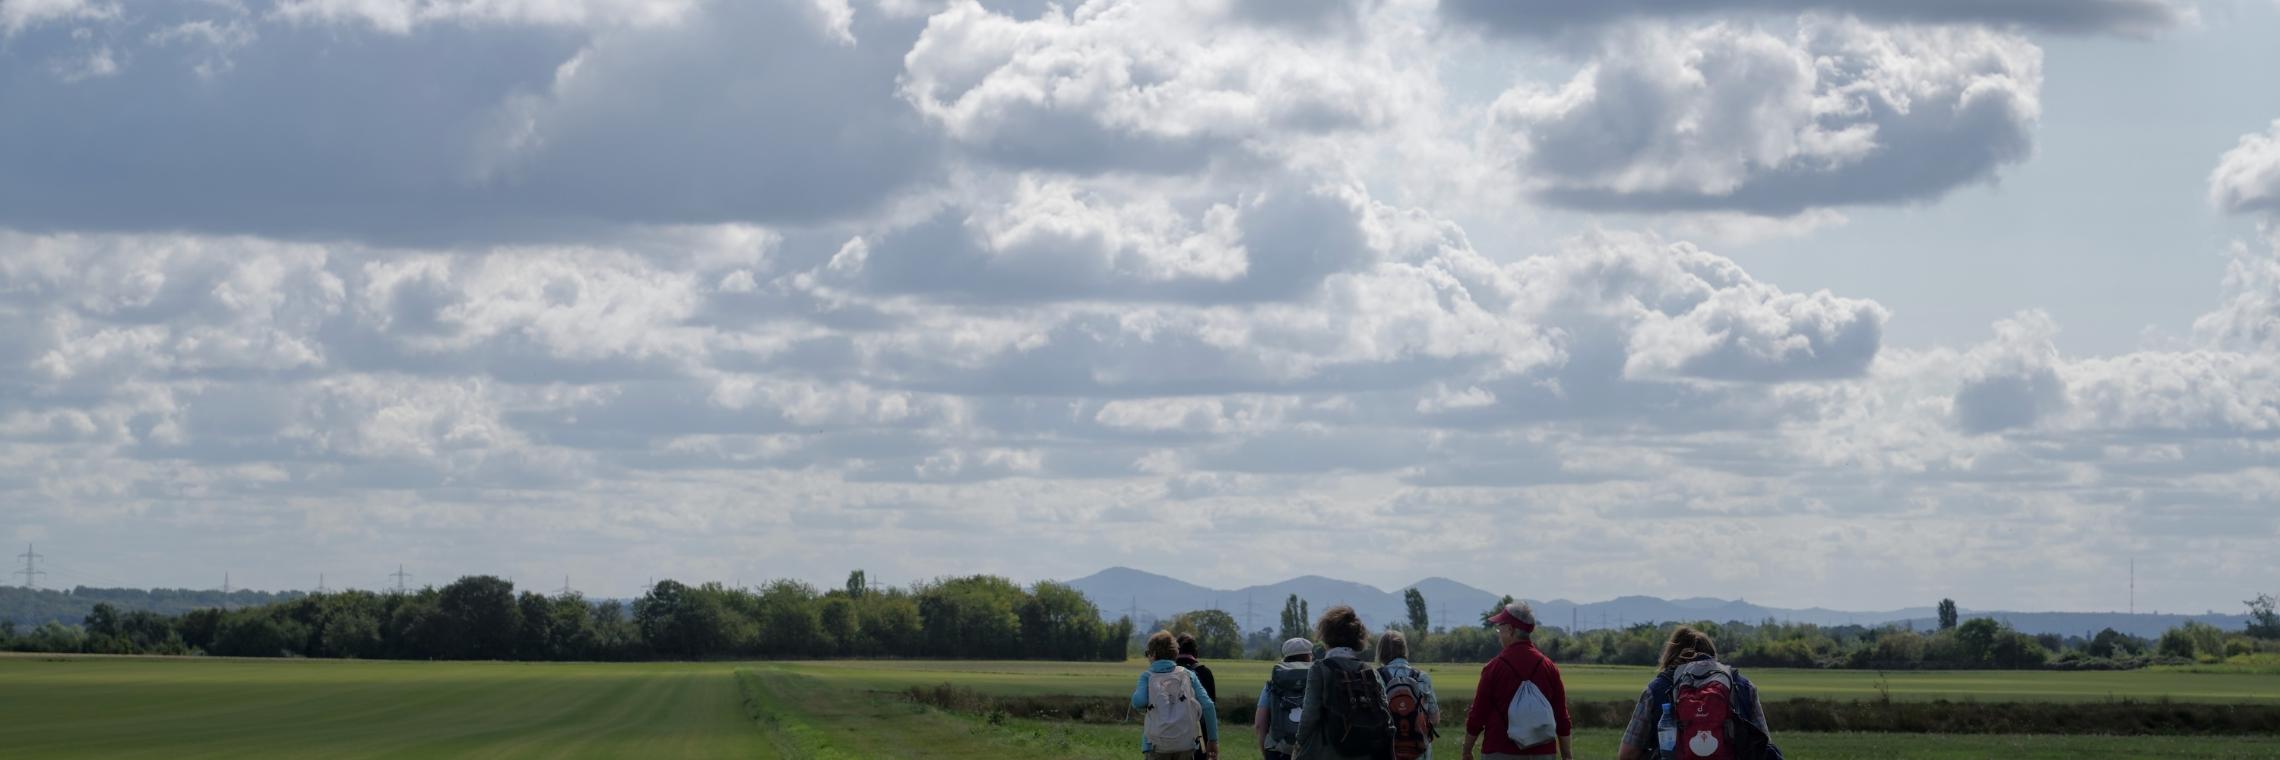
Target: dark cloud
(449,132)
(1730,119)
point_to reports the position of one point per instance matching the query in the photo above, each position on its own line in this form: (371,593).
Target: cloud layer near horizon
(784,288)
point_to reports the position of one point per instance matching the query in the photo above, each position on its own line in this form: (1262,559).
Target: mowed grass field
(215,708)
(196,707)
(1590,682)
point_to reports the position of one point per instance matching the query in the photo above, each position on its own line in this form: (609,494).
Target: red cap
(1517,615)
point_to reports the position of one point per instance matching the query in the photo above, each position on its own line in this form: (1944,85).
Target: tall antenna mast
(31,571)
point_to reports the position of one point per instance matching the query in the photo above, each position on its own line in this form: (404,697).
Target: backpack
(1355,718)
(1286,695)
(1174,720)
(1528,719)
(1405,698)
(1704,701)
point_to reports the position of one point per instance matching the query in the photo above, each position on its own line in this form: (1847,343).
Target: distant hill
(2088,623)
(1119,590)
(32,607)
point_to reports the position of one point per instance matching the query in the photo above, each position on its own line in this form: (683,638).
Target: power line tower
(1246,614)
(399,575)
(31,571)
(225,592)
(565,590)
(320,583)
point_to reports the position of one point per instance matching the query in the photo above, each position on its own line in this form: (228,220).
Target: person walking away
(1282,702)
(1187,659)
(1713,712)
(1519,682)
(1344,716)
(1409,696)
(1181,723)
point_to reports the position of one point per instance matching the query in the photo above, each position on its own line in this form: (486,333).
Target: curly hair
(1160,646)
(1340,627)
(1687,645)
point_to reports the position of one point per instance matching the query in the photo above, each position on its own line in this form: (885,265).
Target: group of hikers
(1322,702)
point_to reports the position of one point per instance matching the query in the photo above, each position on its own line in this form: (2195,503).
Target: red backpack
(1412,732)
(1703,706)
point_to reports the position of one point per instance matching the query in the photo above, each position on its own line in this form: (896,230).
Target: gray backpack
(1286,705)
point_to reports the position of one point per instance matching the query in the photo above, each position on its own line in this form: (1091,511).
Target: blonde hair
(1392,646)
(1687,645)
(1161,646)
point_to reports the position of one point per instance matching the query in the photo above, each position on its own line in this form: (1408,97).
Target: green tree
(102,621)
(257,633)
(1491,612)
(2109,643)
(1294,619)
(1898,647)
(1947,614)
(615,635)
(347,624)
(1058,622)
(536,640)
(2017,650)
(791,619)
(572,633)
(2193,640)
(888,624)
(1116,640)
(841,628)
(974,617)
(1420,619)
(676,620)
(480,618)
(857,584)
(1975,639)
(1217,636)
(2263,621)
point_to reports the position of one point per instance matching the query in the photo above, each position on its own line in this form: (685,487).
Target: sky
(1850,303)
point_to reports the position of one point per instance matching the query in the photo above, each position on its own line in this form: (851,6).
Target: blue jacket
(1202,700)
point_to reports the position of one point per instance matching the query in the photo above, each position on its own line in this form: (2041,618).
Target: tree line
(987,617)
(483,617)
(1955,644)
(29,607)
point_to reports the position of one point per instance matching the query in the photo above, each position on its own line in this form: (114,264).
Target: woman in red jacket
(1520,662)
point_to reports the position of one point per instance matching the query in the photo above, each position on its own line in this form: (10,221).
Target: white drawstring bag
(1529,721)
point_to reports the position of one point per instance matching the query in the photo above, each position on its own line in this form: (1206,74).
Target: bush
(2194,640)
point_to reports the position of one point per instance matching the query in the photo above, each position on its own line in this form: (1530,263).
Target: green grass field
(215,708)
(1594,682)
